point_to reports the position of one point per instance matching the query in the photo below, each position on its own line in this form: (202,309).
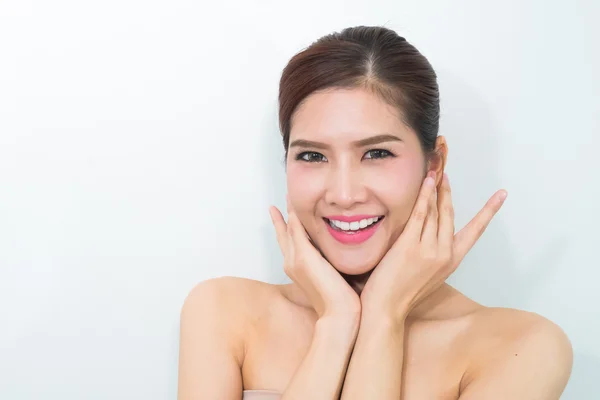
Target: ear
(437,162)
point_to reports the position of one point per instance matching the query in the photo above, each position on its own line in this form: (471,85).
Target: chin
(352,261)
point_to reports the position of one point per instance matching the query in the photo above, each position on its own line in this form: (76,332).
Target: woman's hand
(426,252)
(328,292)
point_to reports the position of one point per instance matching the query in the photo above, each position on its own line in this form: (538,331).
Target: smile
(353,226)
(352,230)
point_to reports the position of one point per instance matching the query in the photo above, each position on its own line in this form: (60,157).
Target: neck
(357,282)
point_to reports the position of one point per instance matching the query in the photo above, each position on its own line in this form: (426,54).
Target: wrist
(338,326)
(347,315)
(374,305)
(386,320)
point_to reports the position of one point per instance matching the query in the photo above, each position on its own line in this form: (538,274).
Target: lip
(357,237)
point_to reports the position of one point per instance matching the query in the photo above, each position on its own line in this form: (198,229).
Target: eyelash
(300,156)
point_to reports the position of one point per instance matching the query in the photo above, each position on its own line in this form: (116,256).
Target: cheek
(398,184)
(304,186)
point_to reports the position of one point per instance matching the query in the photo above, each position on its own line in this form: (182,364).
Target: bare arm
(321,373)
(375,369)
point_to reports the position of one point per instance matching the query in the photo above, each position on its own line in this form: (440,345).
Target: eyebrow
(370,141)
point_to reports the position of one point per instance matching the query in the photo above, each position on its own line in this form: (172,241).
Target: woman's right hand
(328,292)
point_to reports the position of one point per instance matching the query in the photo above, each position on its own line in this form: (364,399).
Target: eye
(378,153)
(311,156)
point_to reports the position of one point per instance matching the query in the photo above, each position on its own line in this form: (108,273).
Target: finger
(302,248)
(298,234)
(430,226)
(290,210)
(281,228)
(446,219)
(414,226)
(468,236)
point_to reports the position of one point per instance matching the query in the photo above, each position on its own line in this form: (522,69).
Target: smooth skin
(393,328)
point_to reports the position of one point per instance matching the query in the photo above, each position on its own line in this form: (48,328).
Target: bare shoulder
(229,302)
(230,285)
(212,344)
(219,310)
(502,327)
(517,350)
(231,298)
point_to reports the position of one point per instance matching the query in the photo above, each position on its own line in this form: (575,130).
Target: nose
(345,187)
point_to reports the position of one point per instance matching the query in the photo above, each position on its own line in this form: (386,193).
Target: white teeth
(353,226)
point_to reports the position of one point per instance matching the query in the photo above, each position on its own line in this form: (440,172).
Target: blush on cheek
(397,186)
(401,176)
(304,187)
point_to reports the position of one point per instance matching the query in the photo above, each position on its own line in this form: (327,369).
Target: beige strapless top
(261,395)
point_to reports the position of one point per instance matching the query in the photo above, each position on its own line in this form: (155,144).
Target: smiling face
(354,171)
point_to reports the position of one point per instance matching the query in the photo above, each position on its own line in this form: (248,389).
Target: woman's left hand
(426,252)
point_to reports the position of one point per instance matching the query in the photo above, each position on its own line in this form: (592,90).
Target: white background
(139,152)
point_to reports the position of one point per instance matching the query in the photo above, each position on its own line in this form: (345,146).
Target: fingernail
(446,178)
(503,195)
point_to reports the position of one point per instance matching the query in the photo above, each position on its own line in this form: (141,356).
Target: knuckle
(480,228)
(420,214)
(448,209)
(429,255)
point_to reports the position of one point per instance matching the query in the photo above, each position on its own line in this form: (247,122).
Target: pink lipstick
(353,229)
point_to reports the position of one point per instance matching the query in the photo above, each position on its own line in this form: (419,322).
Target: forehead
(345,115)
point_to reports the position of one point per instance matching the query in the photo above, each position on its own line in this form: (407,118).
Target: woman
(368,245)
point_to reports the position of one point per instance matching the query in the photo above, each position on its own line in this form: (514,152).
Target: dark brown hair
(371,57)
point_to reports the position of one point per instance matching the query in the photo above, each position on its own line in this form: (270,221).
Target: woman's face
(352,162)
